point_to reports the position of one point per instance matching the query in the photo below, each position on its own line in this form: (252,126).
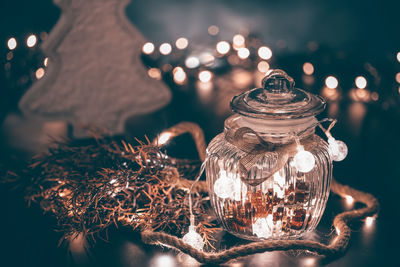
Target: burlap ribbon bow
(257,148)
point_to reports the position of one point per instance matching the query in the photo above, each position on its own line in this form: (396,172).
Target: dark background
(349,34)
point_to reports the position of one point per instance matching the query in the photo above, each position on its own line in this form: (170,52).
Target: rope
(337,246)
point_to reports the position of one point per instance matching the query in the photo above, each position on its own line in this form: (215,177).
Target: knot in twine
(257,148)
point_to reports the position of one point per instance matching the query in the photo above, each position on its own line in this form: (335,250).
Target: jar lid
(278,99)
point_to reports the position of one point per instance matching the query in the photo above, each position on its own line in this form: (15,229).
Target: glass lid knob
(277,81)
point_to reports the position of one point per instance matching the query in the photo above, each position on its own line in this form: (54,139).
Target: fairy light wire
(202,168)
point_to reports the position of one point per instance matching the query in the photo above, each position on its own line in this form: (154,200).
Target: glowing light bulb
(369,221)
(224,186)
(148,48)
(164,137)
(308,68)
(39,73)
(263,227)
(263,66)
(31,40)
(303,161)
(179,75)
(165,49)
(331,82)
(193,238)
(181,43)
(223,47)
(205,76)
(238,40)
(279,183)
(264,52)
(192,62)
(397,77)
(361,82)
(12,43)
(337,149)
(398,56)
(243,53)
(349,200)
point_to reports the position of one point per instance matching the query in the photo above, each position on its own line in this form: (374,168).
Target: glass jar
(259,185)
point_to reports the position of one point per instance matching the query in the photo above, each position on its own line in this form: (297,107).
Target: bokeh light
(182,43)
(179,75)
(148,48)
(205,76)
(263,66)
(308,68)
(223,47)
(154,73)
(398,77)
(192,62)
(213,30)
(331,82)
(39,73)
(165,49)
(243,53)
(12,43)
(361,82)
(31,40)
(264,52)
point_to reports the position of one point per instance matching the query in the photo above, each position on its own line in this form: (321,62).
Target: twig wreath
(88,188)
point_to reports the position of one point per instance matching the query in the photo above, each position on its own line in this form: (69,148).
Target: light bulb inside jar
(263,227)
(224,186)
(304,161)
(193,238)
(337,149)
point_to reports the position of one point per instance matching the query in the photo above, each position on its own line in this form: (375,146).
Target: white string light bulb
(193,238)
(337,149)
(304,161)
(224,186)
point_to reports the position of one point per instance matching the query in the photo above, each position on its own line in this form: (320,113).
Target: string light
(154,73)
(148,48)
(263,227)
(337,149)
(303,161)
(205,76)
(308,68)
(164,138)
(224,186)
(349,200)
(331,82)
(243,53)
(165,49)
(192,62)
(264,52)
(31,40)
(369,221)
(39,73)
(193,238)
(12,43)
(361,82)
(263,66)
(223,47)
(182,43)
(179,75)
(238,41)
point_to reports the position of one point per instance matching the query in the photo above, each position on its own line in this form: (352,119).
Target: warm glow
(349,200)
(369,221)
(39,73)
(263,66)
(165,49)
(238,40)
(243,53)
(179,75)
(398,77)
(206,58)
(223,47)
(398,56)
(163,260)
(12,43)
(154,73)
(192,62)
(331,82)
(164,137)
(205,76)
(374,96)
(182,43)
(337,231)
(309,261)
(213,30)
(264,52)
(46,61)
(148,48)
(31,40)
(308,68)
(361,82)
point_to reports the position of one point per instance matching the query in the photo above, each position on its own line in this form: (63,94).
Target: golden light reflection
(264,52)
(331,94)
(163,260)
(359,94)
(46,61)
(308,68)
(31,40)
(165,49)
(12,43)
(263,66)
(182,43)
(331,82)
(148,48)
(223,47)
(243,53)
(369,221)
(309,261)
(39,73)
(213,30)
(154,73)
(205,76)
(361,82)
